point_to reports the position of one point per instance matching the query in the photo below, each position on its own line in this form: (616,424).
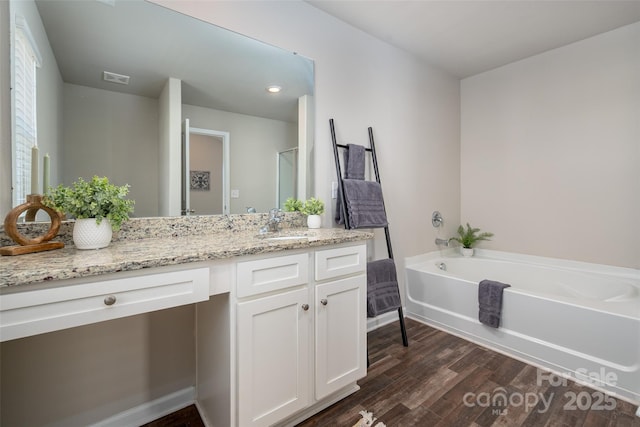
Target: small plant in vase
(313,208)
(91,203)
(293,205)
(469,237)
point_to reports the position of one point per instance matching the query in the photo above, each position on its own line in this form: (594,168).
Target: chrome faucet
(273,223)
(442,242)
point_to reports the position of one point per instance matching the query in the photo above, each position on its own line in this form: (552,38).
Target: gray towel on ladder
(490,302)
(354,161)
(365,205)
(383,295)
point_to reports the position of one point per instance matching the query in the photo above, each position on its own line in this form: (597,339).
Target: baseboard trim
(152,410)
(202,413)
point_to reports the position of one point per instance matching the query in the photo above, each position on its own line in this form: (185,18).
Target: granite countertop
(129,255)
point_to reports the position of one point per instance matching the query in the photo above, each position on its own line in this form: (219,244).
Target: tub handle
(436,219)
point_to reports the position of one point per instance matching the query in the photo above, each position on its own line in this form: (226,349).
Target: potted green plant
(313,208)
(469,237)
(293,205)
(97,206)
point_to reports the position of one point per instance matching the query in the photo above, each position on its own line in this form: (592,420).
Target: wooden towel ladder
(341,194)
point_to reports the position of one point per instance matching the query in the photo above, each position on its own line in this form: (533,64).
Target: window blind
(25,126)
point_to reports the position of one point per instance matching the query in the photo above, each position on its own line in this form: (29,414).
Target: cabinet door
(341,338)
(273,357)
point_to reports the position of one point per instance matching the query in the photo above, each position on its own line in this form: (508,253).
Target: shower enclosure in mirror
(287,165)
(116,80)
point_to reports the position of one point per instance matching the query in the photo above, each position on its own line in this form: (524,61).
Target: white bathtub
(577,319)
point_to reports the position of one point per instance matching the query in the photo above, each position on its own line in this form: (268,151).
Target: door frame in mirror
(226,163)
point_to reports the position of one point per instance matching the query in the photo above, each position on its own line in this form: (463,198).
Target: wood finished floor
(425,385)
(187,417)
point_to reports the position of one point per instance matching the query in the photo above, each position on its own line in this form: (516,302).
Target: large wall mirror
(117,79)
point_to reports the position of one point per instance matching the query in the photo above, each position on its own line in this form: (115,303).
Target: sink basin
(285,238)
(284,235)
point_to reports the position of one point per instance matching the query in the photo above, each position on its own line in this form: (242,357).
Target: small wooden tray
(39,247)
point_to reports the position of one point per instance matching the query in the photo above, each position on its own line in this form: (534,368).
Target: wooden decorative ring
(11,221)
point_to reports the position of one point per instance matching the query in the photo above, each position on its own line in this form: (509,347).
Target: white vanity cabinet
(273,332)
(279,336)
(340,324)
(273,357)
(299,340)
(340,335)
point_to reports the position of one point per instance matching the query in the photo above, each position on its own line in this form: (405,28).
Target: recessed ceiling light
(274,89)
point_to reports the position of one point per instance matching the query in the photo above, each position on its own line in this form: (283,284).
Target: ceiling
(218,68)
(469,37)
(223,70)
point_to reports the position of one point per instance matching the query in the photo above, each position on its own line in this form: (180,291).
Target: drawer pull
(323,301)
(305,307)
(110,300)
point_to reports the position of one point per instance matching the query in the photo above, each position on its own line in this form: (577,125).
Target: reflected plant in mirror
(112,99)
(293,205)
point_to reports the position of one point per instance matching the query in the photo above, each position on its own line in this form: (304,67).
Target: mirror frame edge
(6,185)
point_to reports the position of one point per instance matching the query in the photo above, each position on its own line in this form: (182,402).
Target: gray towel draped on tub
(382,287)
(490,302)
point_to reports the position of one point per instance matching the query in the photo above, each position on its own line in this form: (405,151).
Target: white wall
(169,155)
(78,376)
(49,107)
(254,144)
(361,82)
(115,135)
(550,151)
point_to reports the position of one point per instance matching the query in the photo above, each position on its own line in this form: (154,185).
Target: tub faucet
(273,223)
(442,242)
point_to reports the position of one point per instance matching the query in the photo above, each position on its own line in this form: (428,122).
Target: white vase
(314,221)
(87,234)
(466,252)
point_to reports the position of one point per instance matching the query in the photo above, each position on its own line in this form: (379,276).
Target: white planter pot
(466,252)
(314,221)
(89,235)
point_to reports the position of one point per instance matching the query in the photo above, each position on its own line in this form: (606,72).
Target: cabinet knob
(323,301)
(305,307)
(110,300)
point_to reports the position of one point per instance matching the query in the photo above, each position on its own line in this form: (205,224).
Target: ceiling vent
(108,76)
